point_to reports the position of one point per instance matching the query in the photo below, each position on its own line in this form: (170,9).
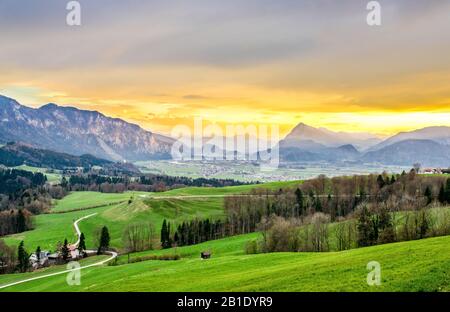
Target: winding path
(77,229)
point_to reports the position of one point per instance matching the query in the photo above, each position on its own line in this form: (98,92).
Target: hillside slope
(421,265)
(16,154)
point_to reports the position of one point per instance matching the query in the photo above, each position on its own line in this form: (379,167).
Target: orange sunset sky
(161,63)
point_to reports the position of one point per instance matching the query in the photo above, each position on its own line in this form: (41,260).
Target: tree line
(337,197)
(145,183)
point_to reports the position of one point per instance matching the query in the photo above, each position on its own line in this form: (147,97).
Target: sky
(162,63)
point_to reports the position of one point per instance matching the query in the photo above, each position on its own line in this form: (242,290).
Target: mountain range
(428,146)
(16,154)
(74,131)
(77,132)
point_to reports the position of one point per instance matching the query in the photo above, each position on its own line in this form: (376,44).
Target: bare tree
(138,236)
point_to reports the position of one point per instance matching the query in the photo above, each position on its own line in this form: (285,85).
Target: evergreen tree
(299,200)
(393,179)
(386,227)
(104,240)
(318,205)
(428,195)
(64,182)
(176,238)
(424,224)
(380,181)
(447,192)
(163,233)
(169,239)
(65,250)
(441,196)
(38,253)
(22,258)
(21,222)
(82,243)
(364,227)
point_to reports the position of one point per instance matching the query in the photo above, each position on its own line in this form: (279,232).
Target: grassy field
(52,175)
(50,229)
(421,265)
(9,278)
(228,190)
(117,217)
(84,200)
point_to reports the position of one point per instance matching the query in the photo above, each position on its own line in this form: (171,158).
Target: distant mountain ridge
(304,133)
(77,132)
(429,146)
(74,131)
(438,134)
(426,152)
(16,154)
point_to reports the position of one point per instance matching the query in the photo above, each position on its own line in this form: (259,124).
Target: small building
(205,254)
(53,258)
(431,171)
(74,252)
(39,261)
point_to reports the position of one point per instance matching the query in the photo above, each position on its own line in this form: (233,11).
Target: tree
(21,222)
(82,244)
(65,252)
(7,258)
(424,224)
(299,201)
(447,192)
(429,195)
(417,167)
(441,196)
(38,253)
(138,236)
(393,179)
(386,227)
(23,258)
(104,240)
(380,181)
(165,235)
(365,228)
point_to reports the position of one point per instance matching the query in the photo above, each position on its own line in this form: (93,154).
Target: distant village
(435,171)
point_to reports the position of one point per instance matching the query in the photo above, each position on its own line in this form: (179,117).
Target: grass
(421,265)
(85,200)
(49,230)
(229,246)
(117,217)
(9,278)
(52,177)
(55,227)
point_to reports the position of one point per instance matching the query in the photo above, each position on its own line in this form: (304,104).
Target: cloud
(273,60)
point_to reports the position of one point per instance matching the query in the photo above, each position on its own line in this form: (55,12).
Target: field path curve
(77,230)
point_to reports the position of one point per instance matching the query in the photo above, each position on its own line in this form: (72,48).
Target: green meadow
(407,266)
(421,265)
